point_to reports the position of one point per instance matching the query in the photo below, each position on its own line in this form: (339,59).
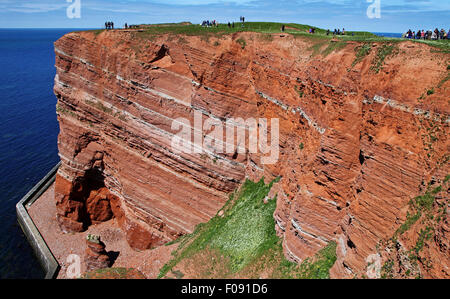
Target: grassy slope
(243,243)
(114,273)
(430,213)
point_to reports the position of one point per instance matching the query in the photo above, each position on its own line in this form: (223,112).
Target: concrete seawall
(37,242)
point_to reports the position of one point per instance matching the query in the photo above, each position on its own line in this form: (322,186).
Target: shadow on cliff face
(113,255)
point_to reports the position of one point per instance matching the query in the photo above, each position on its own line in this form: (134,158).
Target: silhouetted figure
(282,28)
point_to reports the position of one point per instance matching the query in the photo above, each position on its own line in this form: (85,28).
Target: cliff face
(360,136)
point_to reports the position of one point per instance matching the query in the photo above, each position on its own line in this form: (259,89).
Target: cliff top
(187,28)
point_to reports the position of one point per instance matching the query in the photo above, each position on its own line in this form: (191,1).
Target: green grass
(61,110)
(300,92)
(447,178)
(424,201)
(107,110)
(383,52)
(317,267)
(430,212)
(97,32)
(316,47)
(387,270)
(113,273)
(243,241)
(99,106)
(442,82)
(334,46)
(242,42)
(245,230)
(261,27)
(424,235)
(361,52)
(411,219)
(297,30)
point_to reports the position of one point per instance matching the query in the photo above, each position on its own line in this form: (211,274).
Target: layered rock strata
(358,138)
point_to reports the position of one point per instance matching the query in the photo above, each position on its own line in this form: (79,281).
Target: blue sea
(28,135)
(387,34)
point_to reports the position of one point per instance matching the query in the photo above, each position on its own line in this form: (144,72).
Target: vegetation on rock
(242,242)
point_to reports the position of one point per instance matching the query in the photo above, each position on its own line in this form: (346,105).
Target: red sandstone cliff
(355,145)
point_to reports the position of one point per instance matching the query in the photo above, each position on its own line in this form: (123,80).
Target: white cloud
(31,7)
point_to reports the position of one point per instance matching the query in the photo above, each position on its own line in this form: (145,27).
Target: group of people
(230,25)
(337,32)
(214,23)
(429,35)
(209,23)
(109,25)
(242,19)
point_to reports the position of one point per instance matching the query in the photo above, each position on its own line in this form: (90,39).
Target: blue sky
(396,15)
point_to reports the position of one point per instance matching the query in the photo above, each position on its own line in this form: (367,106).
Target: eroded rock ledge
(355,145)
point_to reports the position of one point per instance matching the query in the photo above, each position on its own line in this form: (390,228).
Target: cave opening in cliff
(93,199)
(94,179)
(362,158)
(350,244)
